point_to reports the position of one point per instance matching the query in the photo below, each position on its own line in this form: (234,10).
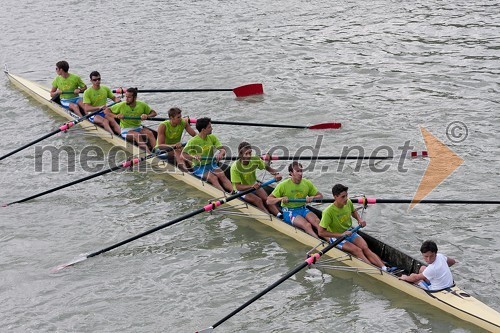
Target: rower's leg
(212,179)
(374,259)
(151,140)
(103,122)
(137,138)
(313,219)
(226,183)
(113,124)
(355,251)
(262,194)
(75,109)
(256,201)
(303,224)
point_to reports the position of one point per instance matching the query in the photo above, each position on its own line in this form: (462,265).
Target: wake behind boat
(451,300)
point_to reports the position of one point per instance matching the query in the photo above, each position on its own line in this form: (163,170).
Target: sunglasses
(98,79)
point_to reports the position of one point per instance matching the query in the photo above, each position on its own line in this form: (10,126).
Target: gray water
(384,69)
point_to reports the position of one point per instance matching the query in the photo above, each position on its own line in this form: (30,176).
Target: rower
(243,177)
(200,150)
(95,99)
(336,222)
(170,134)
(131,129)
(437,275)
(67,86)
(296,187)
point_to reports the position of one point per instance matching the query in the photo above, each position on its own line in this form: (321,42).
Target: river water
(384,69)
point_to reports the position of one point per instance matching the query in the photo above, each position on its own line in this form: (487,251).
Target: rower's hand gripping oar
(241,91)
(371,201)
(317,126)
(127,164)
(206,208)
(309,261)
(62,128)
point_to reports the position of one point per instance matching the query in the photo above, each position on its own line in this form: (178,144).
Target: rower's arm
(322,232)
(189,129)
(272,200)
(450,261)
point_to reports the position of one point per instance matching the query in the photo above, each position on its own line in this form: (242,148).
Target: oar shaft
(311,158)
(404,201)
(31,143)
(285,277)
(179,219)
(126,164)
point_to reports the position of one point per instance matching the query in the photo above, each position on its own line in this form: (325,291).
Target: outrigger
(454,300)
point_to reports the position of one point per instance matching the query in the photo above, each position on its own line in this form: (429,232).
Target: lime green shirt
(291,190)
(70,83)
(173,134)
(139,109)
(203,147)
(97,97)
(246,174)
(337,220)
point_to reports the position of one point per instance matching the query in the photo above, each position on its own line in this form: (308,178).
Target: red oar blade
(326,126)
(249,89)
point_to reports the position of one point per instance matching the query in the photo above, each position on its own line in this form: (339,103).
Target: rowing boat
(453,300)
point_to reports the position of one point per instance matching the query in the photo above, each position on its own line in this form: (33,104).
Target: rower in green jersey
(131,129)
(244,177)
(95,98)
(170,134)
(296,187)
(200,150)
(65,82)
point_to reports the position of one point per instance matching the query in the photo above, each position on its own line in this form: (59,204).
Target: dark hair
(293,165)
(339,188)
(63,65)
(429,245)
(243,147)
(174,112)
(133,91)
(202,123)
(94,73)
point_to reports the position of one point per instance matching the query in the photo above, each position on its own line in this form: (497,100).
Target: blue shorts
(97,114)
(200,170)
(289,214)
(126,130)
(350,239)
(424,285)
(65,102)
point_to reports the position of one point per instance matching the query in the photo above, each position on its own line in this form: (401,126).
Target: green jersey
(337,220)
(70,83)
(97,97)
(139,109)
(203,147)
(173,134)
(291,190)
(246,174)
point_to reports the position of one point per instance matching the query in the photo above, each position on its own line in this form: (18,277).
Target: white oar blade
(71,263)
(206,330)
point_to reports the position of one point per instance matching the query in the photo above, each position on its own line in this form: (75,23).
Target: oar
(370,201)
(309,261)
(205,208)
(317,126)
(242,91)
(61,128)
(299,157)
(126,164)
